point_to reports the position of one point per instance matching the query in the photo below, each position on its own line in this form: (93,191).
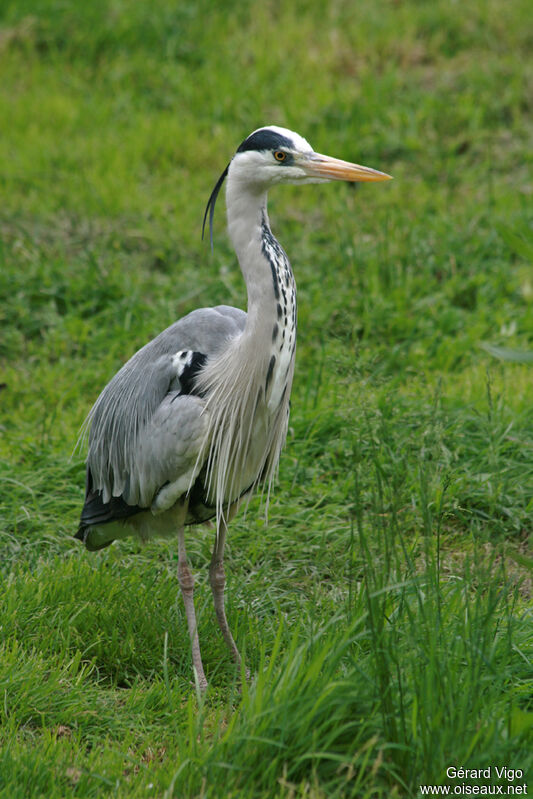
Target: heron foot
(200,682)
(217,578)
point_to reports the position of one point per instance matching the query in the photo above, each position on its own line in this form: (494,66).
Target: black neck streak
(282,278)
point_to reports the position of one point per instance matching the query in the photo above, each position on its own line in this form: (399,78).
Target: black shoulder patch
(265,139)
(188,377)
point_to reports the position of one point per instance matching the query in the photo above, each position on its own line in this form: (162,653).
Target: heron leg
(217,578)
(186,581)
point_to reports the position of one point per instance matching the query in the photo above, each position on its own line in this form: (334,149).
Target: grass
(385,611)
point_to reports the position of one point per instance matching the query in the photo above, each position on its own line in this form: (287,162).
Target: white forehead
(299,142)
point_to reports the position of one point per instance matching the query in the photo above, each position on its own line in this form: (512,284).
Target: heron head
(272,155)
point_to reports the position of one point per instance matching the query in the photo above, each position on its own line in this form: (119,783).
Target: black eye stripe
(265,139)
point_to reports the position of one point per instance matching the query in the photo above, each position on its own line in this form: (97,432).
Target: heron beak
(325,167)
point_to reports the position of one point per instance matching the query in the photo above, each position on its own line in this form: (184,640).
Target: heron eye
(279,155)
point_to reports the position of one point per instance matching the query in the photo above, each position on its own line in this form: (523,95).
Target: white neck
(246,213)
(248,384)
(271,321)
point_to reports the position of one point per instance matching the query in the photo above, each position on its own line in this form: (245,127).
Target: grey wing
(169,450)
(168,459)
(138,419)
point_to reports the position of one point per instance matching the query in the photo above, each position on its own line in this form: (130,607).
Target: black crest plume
(210,207)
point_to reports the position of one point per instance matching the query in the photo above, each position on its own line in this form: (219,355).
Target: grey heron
(197,418)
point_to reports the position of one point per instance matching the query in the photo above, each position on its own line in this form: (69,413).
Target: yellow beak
(325,167)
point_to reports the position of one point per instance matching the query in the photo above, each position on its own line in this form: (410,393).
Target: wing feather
(144,436)
(129,401)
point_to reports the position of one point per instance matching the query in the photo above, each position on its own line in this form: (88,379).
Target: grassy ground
(385,611)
